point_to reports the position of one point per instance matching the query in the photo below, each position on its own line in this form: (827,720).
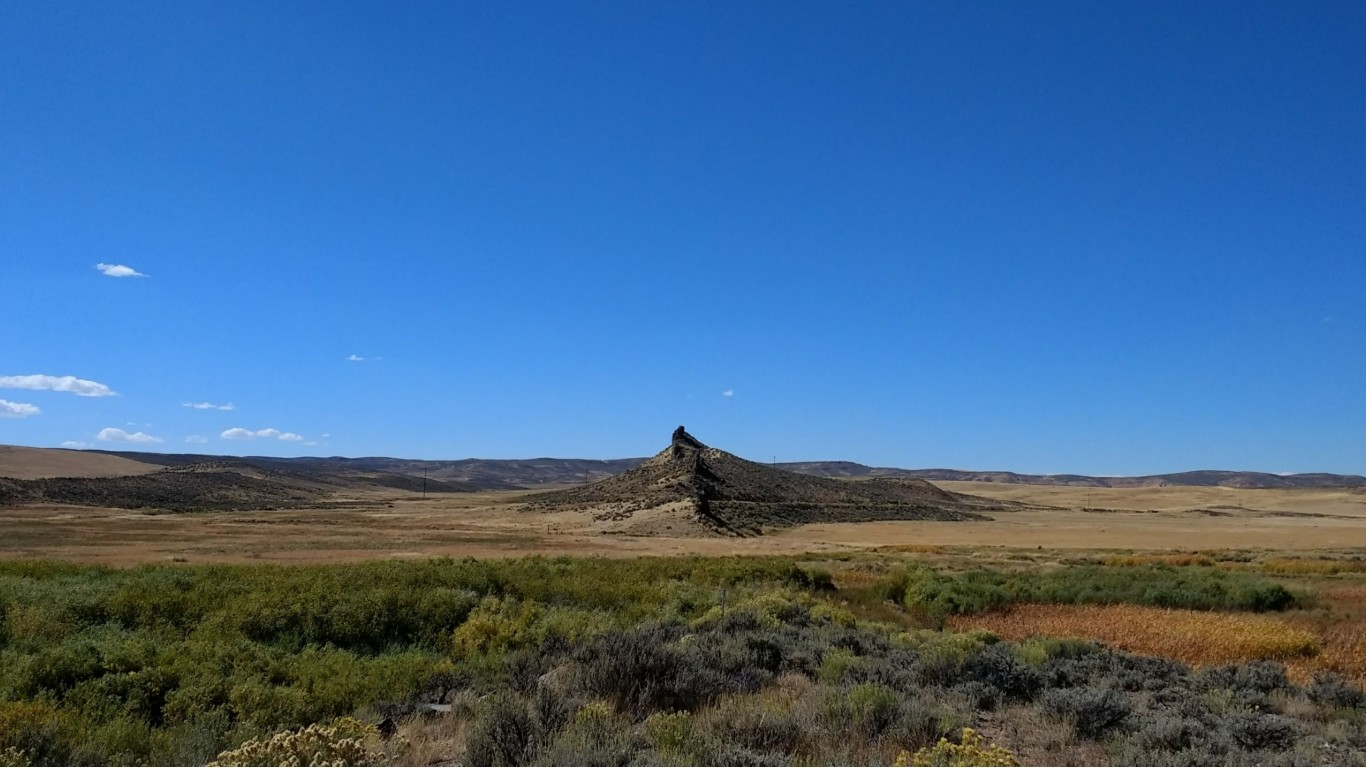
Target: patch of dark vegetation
(938,594)
(208,486)
(728,661)
(168,490)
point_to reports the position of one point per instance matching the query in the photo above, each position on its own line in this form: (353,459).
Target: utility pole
(424,482)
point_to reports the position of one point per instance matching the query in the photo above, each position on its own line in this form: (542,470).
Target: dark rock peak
(684,444)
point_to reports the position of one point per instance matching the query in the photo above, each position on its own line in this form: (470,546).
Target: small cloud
(116,435)
(12,410)
(196,439)
(118,270)
(210,406)
(327,434)
(728,393)
(355,358)
(75,444)
(81,387)
(238,433)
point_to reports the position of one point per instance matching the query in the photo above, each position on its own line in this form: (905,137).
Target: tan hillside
(692,486)
(34,463)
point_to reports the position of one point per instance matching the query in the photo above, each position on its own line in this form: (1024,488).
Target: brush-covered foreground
(735,661)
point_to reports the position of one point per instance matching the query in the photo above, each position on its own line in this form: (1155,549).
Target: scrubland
(862,658)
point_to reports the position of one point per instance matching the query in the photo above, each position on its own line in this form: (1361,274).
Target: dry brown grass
(1333,641)
(431,740)
(1342,631)
(1197,638)
(1177,559)
(1344,649)
(1308,566)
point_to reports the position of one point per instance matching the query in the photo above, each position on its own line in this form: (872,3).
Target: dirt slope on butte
(31,463)
(689,486)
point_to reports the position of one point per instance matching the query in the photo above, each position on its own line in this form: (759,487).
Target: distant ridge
(539,473)
(690,485)
(210,486)
(1203,478)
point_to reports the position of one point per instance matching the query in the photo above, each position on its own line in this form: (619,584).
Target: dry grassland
(495,524)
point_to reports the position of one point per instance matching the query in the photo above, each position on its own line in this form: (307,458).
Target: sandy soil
(495,525)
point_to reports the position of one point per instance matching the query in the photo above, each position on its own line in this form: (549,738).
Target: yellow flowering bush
(344,741)
(969,751)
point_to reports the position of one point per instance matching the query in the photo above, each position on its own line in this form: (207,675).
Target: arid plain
(392,523)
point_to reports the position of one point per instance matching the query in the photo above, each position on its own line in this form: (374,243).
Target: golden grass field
(1198,638)
(389,524)
(395,524)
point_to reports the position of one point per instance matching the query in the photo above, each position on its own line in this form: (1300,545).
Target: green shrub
(597,736)
(867,709)
(1092,711)
(35,731)
(1260,731)
(936,595)
(671,733)
(505,733)
(835,663)
(1334,690)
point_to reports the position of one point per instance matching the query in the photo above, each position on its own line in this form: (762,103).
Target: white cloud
(327,434)
(75,444)
(355,358)
(238,433)
(196,439)
(118,270)
(12,410)
(116,435)
(210,406)
(728,393)
(82,387)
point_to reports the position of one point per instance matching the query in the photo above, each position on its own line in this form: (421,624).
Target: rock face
(690,486)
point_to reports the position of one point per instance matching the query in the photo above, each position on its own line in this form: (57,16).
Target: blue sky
(1045,237)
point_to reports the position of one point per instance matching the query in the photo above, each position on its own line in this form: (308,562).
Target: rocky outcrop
(692,483)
